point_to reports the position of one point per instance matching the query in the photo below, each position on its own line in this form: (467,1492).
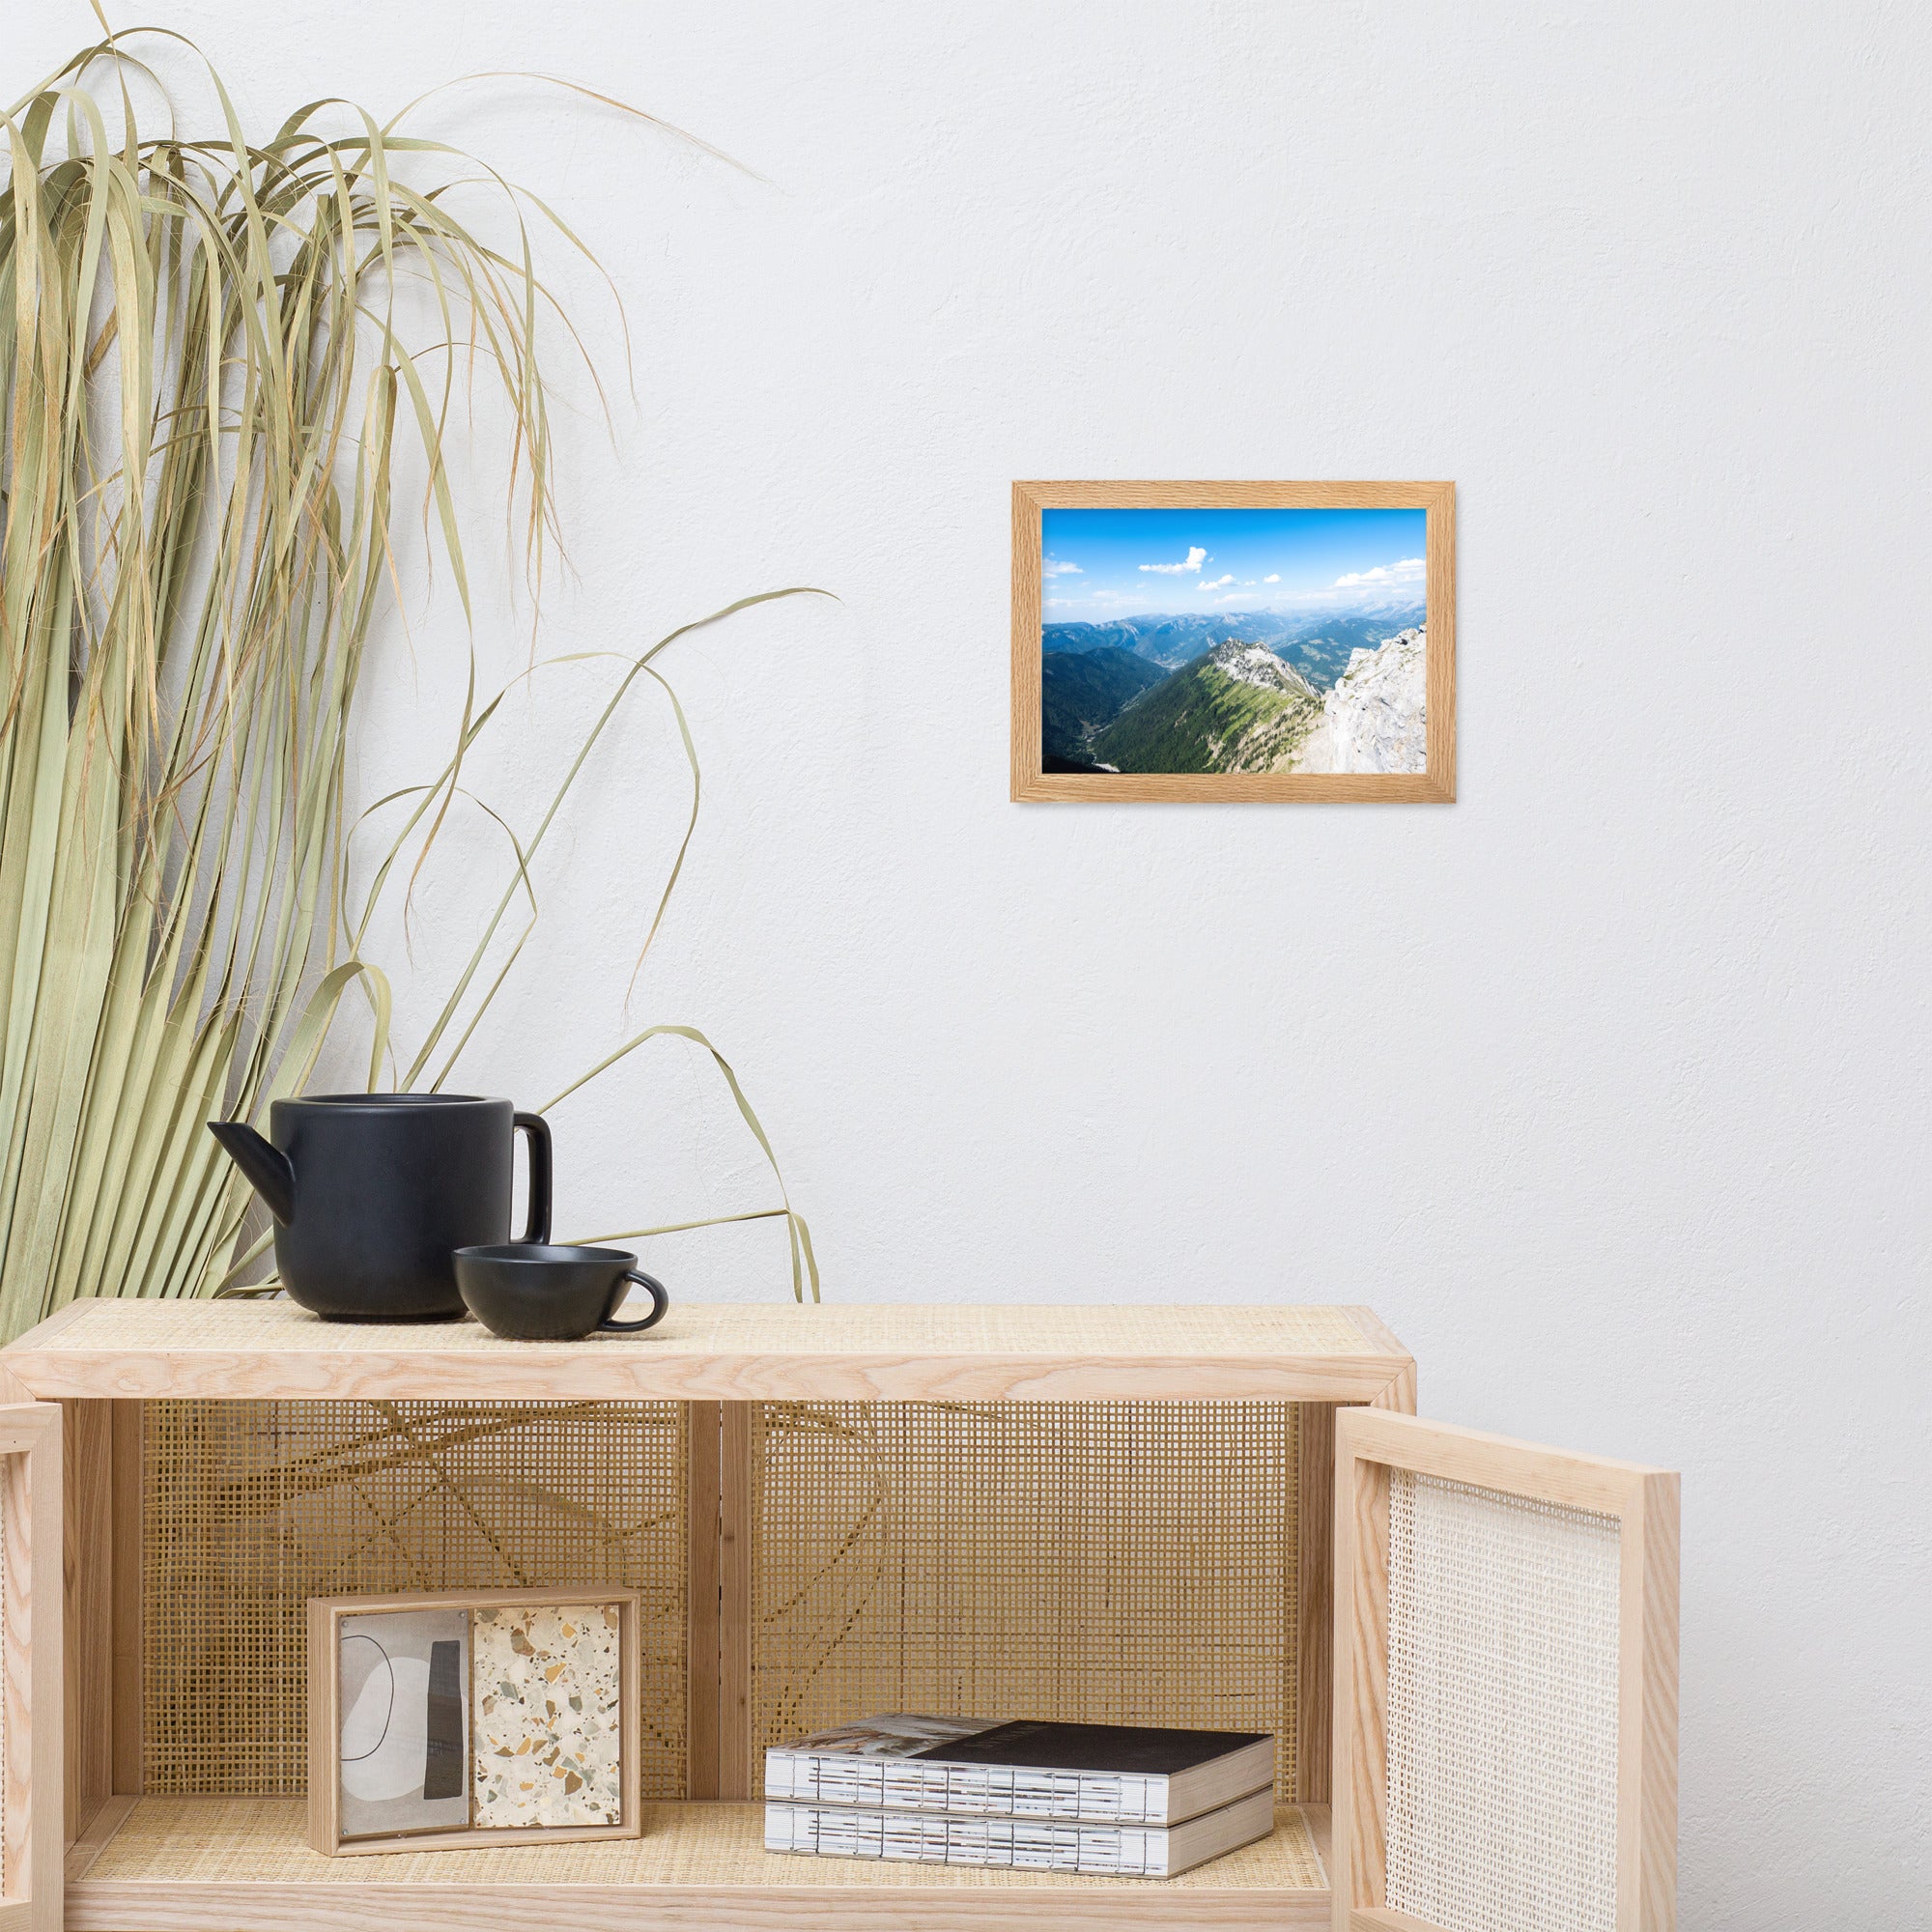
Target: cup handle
(537,1231)
(660,1301)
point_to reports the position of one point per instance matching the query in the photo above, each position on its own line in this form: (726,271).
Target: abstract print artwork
(405,1730)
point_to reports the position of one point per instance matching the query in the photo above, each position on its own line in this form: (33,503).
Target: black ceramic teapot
(373,1192)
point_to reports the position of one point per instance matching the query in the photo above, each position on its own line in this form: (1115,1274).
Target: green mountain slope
(1236,709)
(1082,690)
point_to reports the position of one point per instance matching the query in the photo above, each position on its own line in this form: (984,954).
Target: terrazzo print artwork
(548,1727)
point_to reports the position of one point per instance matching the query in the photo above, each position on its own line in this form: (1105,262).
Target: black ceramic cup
(530,1292)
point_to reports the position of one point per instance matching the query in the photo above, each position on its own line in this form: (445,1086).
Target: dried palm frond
(209,386)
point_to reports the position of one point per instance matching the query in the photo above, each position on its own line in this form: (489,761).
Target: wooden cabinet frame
(101,1361)
(31,1733)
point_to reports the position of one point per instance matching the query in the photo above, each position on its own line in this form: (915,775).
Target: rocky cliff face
(1257,666)
(1374,720)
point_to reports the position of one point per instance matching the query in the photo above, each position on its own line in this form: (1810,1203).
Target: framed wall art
(480,1717)
(1233,641)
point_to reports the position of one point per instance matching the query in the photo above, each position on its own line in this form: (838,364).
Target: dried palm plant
(209,382)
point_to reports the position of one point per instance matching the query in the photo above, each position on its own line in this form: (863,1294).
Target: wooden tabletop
(725,1353)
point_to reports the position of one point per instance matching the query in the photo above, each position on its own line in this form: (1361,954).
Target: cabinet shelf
(241,1864)
(726,1353)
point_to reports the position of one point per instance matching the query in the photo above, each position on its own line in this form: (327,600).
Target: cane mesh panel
(1128,1562)
(250,1508)
(1502,1711)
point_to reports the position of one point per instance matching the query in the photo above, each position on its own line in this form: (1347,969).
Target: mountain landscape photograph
(1236,641)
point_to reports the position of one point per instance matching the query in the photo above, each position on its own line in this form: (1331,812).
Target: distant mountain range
(1238,706)
(1317,644)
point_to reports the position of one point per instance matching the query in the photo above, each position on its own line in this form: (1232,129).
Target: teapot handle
(537,1228)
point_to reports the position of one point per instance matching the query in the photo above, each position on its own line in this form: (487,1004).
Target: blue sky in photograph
(1113,563)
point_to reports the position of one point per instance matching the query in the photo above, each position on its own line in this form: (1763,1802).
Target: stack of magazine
(1104,1799)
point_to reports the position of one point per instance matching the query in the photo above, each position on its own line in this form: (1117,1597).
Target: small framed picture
(1233,641)
(482,1718)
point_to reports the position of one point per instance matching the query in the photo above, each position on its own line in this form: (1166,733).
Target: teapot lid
(389,1100)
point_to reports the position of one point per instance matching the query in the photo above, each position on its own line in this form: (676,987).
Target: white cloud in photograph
(1053,567)
(1209,583)
(1196,557)
(1406,570)
(1273,576)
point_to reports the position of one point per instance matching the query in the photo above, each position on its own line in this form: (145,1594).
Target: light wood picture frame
(1298,716)
(1375,1449)
(326,1616)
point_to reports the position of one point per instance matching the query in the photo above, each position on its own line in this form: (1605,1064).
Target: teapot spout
(266,1166)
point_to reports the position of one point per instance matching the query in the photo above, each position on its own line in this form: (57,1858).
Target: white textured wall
(1606,1085)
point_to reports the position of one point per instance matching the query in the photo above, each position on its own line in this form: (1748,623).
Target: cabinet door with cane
(1505,1685)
